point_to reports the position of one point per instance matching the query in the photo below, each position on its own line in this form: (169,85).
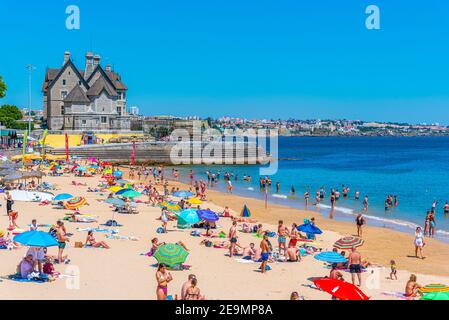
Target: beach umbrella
(107,171)
(434,287)
(123,190)
(80,168)
(115,188)
(190,216)
(108,176)
(207,215)
(349,242)
(62,196)
(36,239)
(171,254)
(309,229)
(13,177)
(170,206)
(75,202)
(340,289)
(131,194)
(94,166)
(6,172)
(183,194)
(436,296)
(194,201)
(116,202)
(117,173)
(330,256)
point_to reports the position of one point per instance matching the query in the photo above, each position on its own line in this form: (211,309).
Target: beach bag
(53,232)
(111,223)
(160,230)
(208,244)
(195,233)
(78,244)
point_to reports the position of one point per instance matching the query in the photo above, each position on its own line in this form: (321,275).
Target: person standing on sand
(359,221)
(232,238)
(419,242)
(282,237)
(355,267)
(62,240)
(163,278)
(264,246)
(186,285)
(306,197)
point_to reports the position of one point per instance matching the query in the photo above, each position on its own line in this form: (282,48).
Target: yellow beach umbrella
(194,201)
(115,188)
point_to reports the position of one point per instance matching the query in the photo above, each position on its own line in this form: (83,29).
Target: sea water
(415,169)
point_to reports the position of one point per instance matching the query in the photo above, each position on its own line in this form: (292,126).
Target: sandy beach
(122,272)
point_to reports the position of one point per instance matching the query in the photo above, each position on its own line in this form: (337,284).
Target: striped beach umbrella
(434,287)
(171,254)
(75,202)
(349,242)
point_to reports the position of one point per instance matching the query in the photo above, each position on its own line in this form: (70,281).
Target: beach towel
(244,261)
(18,278)
(399,295)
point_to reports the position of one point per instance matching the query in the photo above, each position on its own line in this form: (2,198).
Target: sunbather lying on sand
(90,241)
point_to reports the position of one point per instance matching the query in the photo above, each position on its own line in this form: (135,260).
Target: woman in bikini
(90,241)
(163,278)
(193,292)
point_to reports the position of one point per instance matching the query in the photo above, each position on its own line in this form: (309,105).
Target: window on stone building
(119,110)
(62,110)
(104,119)
(63,94)
(63,82)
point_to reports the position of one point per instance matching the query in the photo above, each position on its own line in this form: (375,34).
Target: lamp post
(30,69)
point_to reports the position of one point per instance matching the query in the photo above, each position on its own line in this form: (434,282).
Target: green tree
(2,87)
(10,111)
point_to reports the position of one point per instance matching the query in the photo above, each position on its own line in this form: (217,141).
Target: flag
(66,147)
(24,146)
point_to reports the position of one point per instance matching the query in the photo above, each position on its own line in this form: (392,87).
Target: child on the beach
(393,270)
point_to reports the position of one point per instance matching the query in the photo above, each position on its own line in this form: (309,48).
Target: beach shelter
(245,212)
(115,188)
(434,287)
(62,196)
(330,257)
(36,239)
(171,254)
(190,216)
(80,168)
(347,243)
(194,201)
(171,206)
(75,202)
(117,173)
(340,289)
(207,215)
(436,296)
(108,176)
(183,194)
(123,190)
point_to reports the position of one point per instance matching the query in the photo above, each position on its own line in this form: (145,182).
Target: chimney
(108,67)
(96,60)
(66,57)
(89,65)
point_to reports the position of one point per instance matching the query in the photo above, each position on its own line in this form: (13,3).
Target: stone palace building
(89,99)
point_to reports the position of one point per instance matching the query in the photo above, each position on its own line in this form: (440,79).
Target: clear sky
(247,58)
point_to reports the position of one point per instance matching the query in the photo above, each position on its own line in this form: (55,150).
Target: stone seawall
(161,153)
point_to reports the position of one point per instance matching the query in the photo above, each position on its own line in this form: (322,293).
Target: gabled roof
(77,95)
(50,73)
(115,78)
(100,85)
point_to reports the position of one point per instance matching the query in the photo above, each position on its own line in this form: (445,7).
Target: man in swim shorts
(264,247)
(282,237)
(232,238)
(355,267)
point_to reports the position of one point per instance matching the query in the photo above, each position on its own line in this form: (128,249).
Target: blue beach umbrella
(116,202)
(80,168)
(63,196)
(117,173)
(330,256)
(309,229)
(190,216)
(183,194)
(122,191)
(94,166)
(36,239)
(207,215)
(121,181)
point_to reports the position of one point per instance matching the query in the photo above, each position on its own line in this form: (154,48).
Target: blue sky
(248,58)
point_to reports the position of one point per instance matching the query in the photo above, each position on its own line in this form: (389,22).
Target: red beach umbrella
(347,243)
(340,289)
(108,176)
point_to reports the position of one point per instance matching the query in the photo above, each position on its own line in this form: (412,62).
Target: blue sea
(413,168)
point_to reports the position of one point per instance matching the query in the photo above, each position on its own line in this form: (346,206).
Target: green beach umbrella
(171,254)
(441,295)
(131,194)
